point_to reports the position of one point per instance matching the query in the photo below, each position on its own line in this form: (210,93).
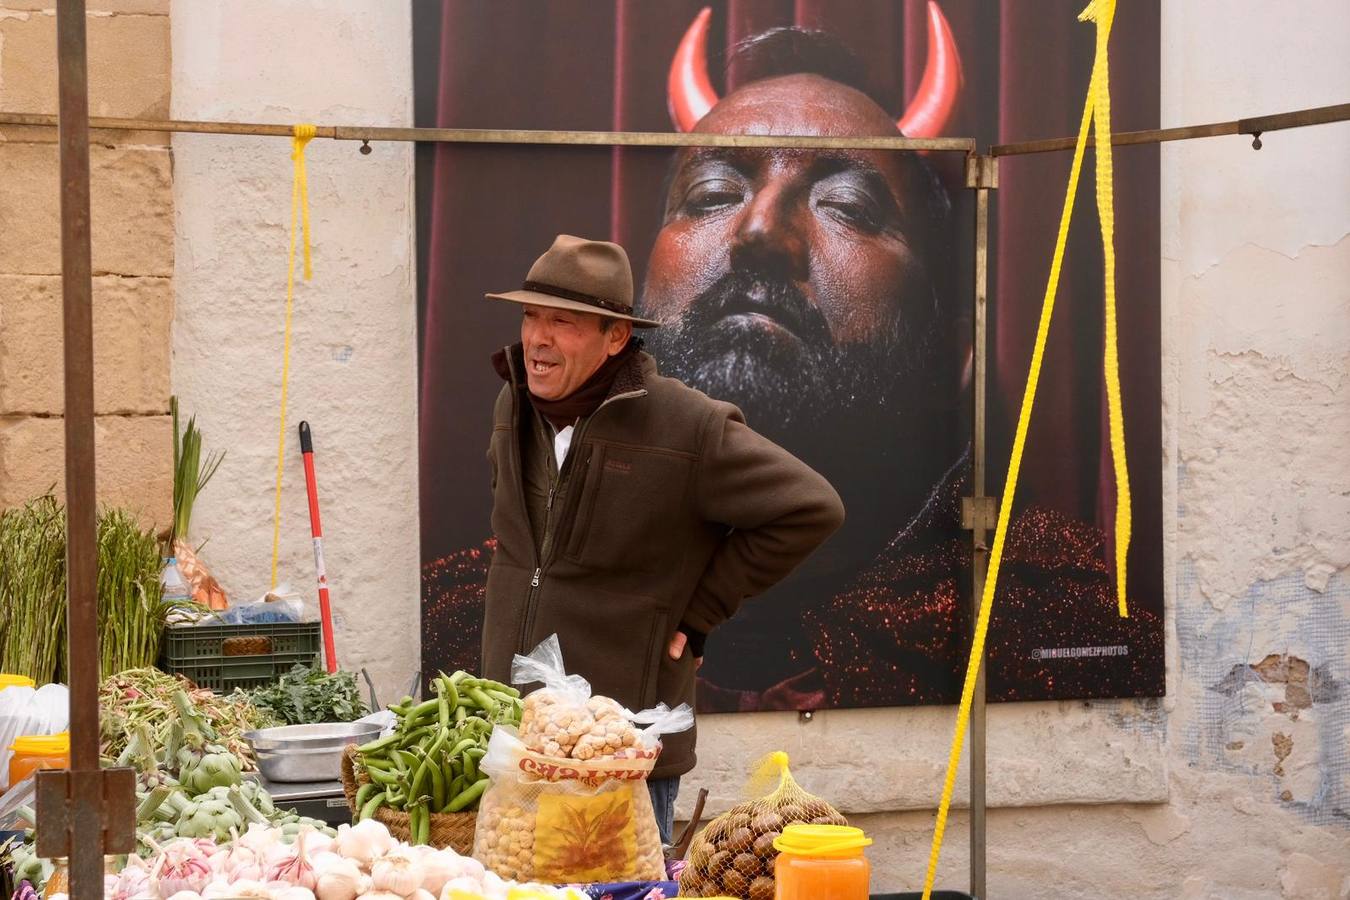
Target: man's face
(564,348)
(787,280)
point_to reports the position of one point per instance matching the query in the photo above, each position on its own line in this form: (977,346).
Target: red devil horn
(691,93)
(927,115)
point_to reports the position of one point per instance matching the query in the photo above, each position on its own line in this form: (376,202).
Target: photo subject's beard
(792,381)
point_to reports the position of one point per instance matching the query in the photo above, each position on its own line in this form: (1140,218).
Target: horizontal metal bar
(1320,115)
(510,136)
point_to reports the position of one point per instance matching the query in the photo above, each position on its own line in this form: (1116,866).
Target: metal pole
(86,820)
(982,175)
(86,811)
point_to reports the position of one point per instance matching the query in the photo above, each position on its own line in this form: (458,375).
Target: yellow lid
(42,744)
(821,840)
(9,681)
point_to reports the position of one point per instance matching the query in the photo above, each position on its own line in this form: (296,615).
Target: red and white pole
(316,529)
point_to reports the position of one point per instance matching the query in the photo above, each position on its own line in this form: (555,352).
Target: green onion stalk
(190,472)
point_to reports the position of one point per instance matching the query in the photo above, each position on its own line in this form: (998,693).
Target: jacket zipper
(543,556)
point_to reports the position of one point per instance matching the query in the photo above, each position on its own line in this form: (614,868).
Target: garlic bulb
(364,842)
(282,891)
(220,890)
(186,895)
(293,866)
(421,894)
(441,866)
(340,881)
(398,871)
(317,842)
(379,895)
(181,866)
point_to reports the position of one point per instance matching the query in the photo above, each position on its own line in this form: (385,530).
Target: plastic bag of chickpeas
(568,801)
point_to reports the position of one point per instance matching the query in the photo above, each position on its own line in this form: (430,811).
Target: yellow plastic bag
(734,856)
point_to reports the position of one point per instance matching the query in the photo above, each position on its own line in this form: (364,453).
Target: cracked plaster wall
(353,360)
(1234,787)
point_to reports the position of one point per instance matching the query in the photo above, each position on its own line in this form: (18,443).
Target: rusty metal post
(84,810)
(982,511)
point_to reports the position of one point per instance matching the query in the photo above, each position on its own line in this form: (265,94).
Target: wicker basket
(452,830)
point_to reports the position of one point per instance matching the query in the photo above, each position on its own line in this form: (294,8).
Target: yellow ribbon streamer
(299,215)
(1096,113)
(1100,88)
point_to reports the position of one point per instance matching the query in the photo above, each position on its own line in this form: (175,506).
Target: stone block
(133,462)
(131,345)
(132,210)
(128,64)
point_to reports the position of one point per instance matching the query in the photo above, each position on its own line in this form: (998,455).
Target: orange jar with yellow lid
(33,752)
(822,862)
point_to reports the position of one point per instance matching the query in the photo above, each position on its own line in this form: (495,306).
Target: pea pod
(438,785)
(371,805)
(469,796)
(483,700)
(364,793)
(381,777)
(379,744)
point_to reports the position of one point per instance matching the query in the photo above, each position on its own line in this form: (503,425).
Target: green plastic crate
(197,652)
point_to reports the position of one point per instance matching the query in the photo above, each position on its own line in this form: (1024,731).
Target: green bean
(364,793)
(438,784)
(377,745)
(468,796)
(371,805)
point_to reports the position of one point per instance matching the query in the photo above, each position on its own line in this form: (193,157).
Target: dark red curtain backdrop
(587,64)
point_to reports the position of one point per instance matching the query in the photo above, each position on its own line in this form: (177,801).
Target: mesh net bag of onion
(734,856)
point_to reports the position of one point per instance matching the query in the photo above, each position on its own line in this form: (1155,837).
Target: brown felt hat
(582,276)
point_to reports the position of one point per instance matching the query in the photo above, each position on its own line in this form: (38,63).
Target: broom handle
(316,529)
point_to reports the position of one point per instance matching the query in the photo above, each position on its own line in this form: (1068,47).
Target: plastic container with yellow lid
(822,862)
(33,752)
(8,681)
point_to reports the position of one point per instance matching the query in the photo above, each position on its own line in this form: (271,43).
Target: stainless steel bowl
(294,753)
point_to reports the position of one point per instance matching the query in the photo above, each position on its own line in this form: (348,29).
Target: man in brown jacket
(633,515)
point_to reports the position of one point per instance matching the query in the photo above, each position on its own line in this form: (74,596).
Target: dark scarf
(584,400)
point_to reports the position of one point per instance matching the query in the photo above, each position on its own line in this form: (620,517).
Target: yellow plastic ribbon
(1100,88)
(1096,113)
(299,215)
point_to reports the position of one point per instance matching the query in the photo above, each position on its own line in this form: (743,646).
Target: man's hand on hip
(677,646)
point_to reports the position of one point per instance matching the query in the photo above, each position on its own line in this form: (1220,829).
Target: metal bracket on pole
(979,512)
(65,797)
(982,172)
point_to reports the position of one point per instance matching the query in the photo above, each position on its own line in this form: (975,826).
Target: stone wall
(132,222)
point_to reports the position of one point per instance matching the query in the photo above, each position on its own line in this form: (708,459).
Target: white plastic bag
(568,800)
(25,711)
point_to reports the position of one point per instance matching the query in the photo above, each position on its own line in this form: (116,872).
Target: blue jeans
(664,791)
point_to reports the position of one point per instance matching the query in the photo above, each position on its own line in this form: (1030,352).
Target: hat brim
(535,298)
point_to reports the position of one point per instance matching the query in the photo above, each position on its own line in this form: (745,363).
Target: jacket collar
(631,380)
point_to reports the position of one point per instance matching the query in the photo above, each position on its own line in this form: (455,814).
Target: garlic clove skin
(283,891)
(398,872)
(341,880)
(364,842)
(186,895)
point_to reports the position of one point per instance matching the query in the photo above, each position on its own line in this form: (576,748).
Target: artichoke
(215,768)
(209,817)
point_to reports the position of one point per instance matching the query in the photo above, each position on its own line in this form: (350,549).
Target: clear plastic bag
(282,604)
(25,711)
(568,801)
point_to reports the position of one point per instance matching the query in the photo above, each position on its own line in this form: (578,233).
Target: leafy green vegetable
(307,696)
